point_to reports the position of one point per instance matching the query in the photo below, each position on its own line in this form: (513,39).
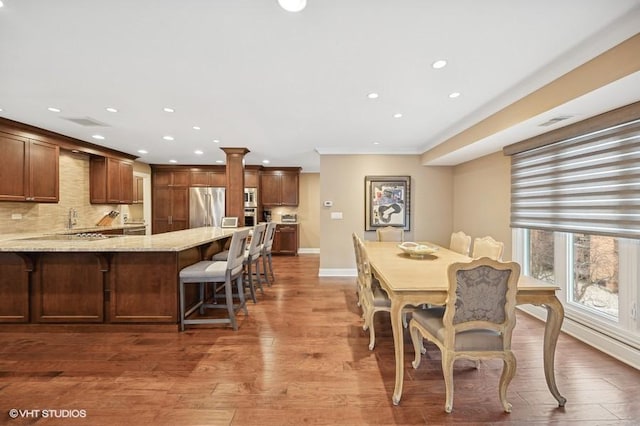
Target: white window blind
(588,183)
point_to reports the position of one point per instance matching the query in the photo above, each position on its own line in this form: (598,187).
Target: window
(540,262)
(575,212)
(598,278)
(594,283)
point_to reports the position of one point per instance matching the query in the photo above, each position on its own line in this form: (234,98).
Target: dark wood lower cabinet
(142,286)
(286,239)
(14,288)
(133,287)
(68,287)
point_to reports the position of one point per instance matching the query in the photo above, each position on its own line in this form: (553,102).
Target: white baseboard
(602,342)
(308,250)
(331,272)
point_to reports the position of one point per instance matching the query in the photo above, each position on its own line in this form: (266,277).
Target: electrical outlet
(16,216)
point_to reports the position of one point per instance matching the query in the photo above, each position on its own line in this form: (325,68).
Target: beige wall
(74,193)
(343,183)
(481,198)
(309,211)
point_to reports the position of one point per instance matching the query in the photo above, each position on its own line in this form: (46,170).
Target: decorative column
(234,203)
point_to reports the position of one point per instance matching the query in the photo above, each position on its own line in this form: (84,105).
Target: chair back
(482,296)
(487,247)
(235,259)
(460,243)
(356,248)
(367,276)
(390,233)
(255,246)
(269,235)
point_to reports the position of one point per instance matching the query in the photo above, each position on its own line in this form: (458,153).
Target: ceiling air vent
(86,121)
(555,120)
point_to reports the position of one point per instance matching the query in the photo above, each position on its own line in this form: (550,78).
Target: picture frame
(387,202)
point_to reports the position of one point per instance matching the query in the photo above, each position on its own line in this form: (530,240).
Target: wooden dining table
(418,281)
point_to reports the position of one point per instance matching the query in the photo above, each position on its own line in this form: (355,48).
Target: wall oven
(251,197)
(250,214)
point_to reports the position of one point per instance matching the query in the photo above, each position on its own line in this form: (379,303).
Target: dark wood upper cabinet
(138,190)
(208,178)
(251,178)
(111,181)
(28,169)
(280,187)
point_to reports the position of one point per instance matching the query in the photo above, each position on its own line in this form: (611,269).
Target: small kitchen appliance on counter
(289,218)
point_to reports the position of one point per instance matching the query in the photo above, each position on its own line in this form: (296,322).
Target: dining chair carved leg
(418,346)
(508,371)
(372,332)
(447,370)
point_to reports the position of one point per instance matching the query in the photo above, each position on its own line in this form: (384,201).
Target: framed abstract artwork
(387,202)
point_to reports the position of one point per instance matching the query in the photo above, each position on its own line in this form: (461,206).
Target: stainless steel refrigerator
(206,206)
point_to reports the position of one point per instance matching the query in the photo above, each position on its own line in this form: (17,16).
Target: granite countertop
(165,242)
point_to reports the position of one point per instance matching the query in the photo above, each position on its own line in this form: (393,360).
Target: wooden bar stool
(218,272)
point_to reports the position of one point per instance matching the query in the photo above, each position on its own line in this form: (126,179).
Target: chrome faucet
(72,218)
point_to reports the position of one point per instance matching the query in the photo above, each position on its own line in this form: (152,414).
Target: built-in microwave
(251,197)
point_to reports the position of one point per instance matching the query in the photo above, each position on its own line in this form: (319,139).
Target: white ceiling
(290,86)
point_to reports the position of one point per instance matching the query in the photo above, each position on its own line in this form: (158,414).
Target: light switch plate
(16,216)
(336,215)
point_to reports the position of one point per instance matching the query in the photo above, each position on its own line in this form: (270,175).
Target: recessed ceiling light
(1,4)
(1,110)
(100,137)
(167,138)
(440,63)
(173,161)
(372,95)
(143,151)
(397,115)
(219,161)
(75,151)
(167,109)
(265,161)
(216,141)
(292,5)
(198,152)
(52,109)
(196,127)
(376,143)
(454,95)
(110,109)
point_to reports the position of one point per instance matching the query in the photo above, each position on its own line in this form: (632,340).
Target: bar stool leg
(229,299)
(181,305)
(250,277)
(243,302)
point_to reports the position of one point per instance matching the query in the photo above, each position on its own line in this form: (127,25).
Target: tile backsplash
(52,217)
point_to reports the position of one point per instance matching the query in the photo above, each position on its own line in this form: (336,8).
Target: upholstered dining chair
(390,233)
(374,298)
(359,279)
(226,272)
(476,322)
(460,243)
(487,247)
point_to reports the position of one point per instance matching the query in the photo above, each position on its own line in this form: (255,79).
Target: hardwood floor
(300,357)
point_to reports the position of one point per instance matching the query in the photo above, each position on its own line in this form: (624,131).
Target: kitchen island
(69,279)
